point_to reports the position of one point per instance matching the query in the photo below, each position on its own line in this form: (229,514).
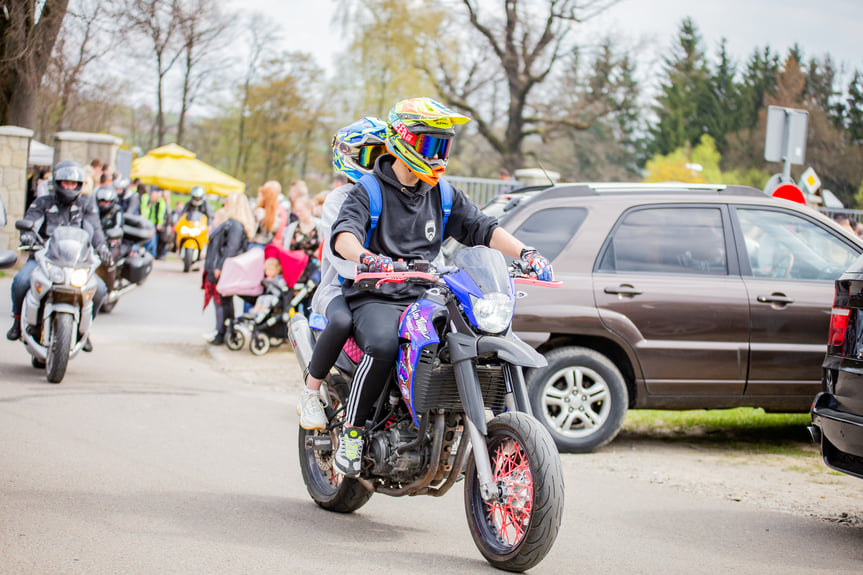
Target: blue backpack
(373,189)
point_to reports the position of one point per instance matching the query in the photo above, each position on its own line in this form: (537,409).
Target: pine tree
(854,109)
(685,94)
(724,115)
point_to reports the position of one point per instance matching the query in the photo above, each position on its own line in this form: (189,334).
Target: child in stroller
(266,324)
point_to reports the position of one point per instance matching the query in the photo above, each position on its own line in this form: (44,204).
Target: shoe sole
(306,427)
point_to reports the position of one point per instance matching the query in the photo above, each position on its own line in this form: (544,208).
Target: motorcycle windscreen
(69,247)
(487,270)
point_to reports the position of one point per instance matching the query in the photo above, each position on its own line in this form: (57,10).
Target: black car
(837,412)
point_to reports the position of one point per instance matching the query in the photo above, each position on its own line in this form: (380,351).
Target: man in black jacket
(65,207)
(410,227)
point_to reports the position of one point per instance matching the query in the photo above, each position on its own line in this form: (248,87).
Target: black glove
(377,264)
(29,239)
(540,265)
(105,255)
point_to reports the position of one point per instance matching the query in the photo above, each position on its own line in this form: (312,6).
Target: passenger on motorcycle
(355,149)
(110,212)
(410,227)
(65,207)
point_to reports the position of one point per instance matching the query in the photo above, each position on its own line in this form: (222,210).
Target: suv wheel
(580,396)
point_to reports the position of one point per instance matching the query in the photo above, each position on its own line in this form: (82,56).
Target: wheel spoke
(509,517)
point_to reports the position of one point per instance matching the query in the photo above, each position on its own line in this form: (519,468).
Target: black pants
(376,324)
(331,341)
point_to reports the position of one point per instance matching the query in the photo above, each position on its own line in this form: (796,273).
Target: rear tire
(516,532)
(327,487)
(59,347)
(260,344)
(580,397)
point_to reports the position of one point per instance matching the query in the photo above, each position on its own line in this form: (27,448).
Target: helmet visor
(367,155)
(429,146)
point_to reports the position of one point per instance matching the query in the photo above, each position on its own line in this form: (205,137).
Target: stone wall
(82,147)
(14,153)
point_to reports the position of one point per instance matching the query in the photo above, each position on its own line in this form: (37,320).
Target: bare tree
(84,38)
(28,31)
(261,34)
(526,44)
(202,28)
(158,21)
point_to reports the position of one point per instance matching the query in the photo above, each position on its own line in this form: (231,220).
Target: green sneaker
(349,455)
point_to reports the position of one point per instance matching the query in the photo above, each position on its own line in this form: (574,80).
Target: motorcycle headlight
(55,274)
(79,277)
(185,230)
(493,312)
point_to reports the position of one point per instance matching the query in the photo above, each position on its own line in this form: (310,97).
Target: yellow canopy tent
(175,168)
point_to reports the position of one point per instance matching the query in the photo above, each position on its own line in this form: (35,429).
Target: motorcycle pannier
(137,229)
(138,267)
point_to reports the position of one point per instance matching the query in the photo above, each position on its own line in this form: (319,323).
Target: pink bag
(243,274)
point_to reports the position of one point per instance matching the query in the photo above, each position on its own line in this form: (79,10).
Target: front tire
(59,347)
(516,531)
(235,339)
(327,487)
(188,257)
(580,397)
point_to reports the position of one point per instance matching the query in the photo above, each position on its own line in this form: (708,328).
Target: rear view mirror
(24,225)
(114,234)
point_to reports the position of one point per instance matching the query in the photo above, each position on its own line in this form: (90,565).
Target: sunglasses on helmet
(367,155)
(430,146)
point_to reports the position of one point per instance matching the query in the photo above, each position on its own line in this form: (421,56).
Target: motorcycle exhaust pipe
(300,335)
(117,294)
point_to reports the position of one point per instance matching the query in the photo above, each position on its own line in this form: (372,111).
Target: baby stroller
(269,328)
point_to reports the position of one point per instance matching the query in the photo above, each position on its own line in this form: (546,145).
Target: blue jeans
(152,244)
(21,283)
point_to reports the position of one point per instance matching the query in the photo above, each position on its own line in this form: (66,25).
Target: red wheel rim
(510,516)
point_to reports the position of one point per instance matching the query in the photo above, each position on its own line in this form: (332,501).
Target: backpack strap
(445,202)
(373,190)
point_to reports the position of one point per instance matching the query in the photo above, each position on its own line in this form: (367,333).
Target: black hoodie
(409,226)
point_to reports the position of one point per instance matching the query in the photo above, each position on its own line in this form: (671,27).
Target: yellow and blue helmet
(356,147)
(419,133)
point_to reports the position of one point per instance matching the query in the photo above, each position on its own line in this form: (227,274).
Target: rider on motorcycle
(355,148)
(419,135)
(197,203)
(65,207)
(110,213)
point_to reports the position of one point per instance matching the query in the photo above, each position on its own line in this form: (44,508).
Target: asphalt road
(160,454)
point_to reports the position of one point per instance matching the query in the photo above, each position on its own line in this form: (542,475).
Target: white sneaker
(349,455)
(311,410)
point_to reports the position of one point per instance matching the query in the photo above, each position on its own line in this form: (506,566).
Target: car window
(668,240)
(550,230)
(785,245)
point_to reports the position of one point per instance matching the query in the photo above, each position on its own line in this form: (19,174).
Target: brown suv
(674,297)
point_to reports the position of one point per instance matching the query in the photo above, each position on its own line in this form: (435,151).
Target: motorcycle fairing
(417,328)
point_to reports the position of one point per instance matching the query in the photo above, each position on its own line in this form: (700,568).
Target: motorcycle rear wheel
(516,532)
(59,347)
(327,487)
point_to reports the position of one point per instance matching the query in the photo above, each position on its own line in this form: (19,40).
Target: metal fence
(482,190)
(856,215)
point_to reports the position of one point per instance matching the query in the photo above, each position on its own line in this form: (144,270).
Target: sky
(819,26)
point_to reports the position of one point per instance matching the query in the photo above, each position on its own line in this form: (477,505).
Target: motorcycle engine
(388,463)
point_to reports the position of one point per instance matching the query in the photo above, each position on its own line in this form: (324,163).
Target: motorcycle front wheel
(59,347)
(188,259)
(329,488)
(515,531)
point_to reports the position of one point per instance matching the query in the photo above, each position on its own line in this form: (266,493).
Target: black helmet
(106,197)
(197,193)
(68,171)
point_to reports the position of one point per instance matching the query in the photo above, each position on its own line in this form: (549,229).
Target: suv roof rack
(603,188)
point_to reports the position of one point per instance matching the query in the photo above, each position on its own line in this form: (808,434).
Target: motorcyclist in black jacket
(110,212)
(65,207)
(197,203)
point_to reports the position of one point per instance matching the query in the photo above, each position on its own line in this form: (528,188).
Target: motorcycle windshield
(68,247)
(486,267)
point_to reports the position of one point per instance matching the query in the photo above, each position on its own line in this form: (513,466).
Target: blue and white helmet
(356,147)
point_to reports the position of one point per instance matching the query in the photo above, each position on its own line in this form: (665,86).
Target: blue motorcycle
(455,407)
